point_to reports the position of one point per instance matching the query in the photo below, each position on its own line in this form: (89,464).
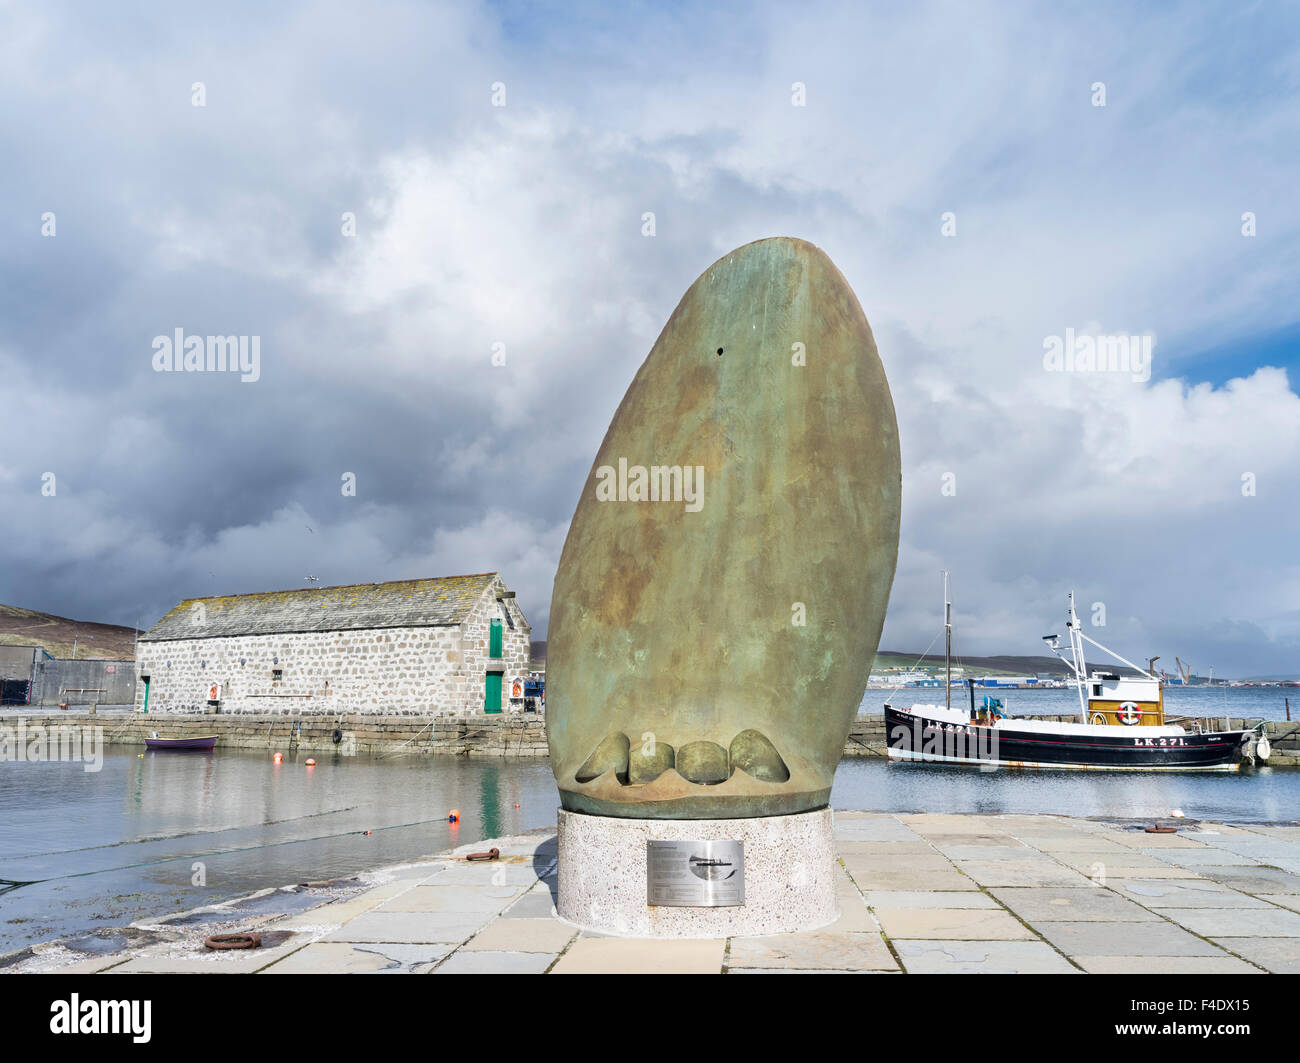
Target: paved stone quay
(919,893)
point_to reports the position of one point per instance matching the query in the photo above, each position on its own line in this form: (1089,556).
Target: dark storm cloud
(522,226)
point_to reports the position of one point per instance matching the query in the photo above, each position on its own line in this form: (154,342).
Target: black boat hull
(914,736)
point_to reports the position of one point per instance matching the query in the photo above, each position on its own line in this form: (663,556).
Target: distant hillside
(55,634)
(892,659)
(976,665)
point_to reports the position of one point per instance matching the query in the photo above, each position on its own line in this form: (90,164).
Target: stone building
(456,643)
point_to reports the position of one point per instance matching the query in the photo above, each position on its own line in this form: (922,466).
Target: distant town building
(455,643)
(1005,681)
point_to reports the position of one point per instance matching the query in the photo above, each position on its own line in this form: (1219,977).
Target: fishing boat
(1121,724)
(201,743)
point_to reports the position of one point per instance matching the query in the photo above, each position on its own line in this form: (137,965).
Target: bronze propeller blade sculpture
(724,581)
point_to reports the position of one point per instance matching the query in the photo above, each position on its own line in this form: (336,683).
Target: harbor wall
(466,734)
(360,734)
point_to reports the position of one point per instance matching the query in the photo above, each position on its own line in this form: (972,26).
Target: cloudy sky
(952,159)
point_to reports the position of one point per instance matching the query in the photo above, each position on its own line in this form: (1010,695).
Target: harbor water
(163,832)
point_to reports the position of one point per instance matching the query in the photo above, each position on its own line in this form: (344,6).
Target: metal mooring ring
(234,941)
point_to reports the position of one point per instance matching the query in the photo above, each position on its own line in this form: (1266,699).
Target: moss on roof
(436,602)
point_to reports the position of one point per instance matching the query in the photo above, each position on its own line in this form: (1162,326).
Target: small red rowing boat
(203,743)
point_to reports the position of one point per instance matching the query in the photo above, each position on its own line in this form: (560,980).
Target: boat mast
(947,651)
(1148,672)
(1080,665)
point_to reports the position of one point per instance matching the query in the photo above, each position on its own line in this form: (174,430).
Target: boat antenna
(1148,672)
(1080,665)
(947,652)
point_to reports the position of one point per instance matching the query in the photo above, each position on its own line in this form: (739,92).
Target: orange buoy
(453,816)
(278,757)
(311,762)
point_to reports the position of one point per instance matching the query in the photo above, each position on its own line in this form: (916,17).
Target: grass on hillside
(56,634)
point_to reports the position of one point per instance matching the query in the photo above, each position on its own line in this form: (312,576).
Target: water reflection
(1262,794)
(107,848)
(110,847)
(489,789)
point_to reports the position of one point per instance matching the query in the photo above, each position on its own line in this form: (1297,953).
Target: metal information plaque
(695,874)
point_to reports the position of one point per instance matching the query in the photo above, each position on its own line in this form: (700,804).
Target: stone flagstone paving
(919,893)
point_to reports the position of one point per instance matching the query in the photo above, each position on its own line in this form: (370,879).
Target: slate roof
(438,602)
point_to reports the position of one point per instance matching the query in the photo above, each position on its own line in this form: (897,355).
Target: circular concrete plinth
(789,864)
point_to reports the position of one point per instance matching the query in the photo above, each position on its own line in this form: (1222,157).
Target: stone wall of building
(516,639)
(381,671)
(392,671)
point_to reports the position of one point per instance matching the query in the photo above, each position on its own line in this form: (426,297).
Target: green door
(494,639)
(492,693)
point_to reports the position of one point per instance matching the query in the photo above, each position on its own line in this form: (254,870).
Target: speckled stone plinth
(789,875)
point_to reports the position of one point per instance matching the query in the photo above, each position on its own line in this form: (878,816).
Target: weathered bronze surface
(706,655)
